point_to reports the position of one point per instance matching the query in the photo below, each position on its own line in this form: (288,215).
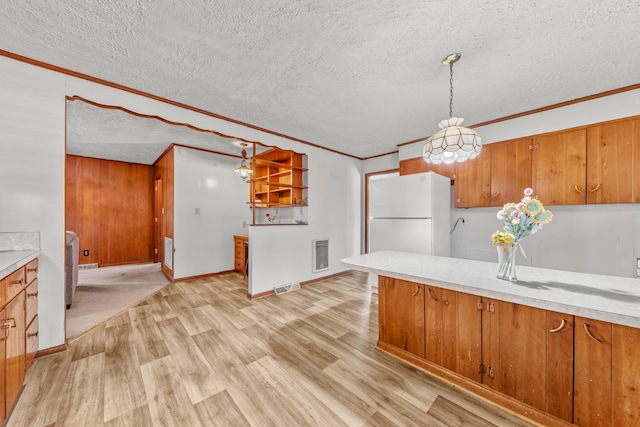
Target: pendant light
(243,169)
(453,143)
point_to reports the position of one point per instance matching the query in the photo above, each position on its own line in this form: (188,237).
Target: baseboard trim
(51,350)
(305,283)
(202,276)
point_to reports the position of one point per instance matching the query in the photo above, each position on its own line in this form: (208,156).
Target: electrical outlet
(86,253)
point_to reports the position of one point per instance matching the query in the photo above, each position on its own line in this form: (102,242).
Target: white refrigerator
(410,213)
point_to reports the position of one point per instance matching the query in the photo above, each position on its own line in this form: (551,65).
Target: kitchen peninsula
(557,347)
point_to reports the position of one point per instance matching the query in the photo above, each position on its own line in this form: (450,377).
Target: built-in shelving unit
(278,183)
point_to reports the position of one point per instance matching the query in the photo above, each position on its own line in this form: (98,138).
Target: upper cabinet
(613,162)
(473,181)
(598,163)
(278,183)
(418,165)
(559,173)
(510,170)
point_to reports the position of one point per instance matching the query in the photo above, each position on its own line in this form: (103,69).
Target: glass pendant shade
(243,170)
(453,143)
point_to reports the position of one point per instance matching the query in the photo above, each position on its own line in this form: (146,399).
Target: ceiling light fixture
(243,169)
(453,143)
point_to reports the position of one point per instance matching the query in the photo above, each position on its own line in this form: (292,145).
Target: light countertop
(608,298)
(10,261)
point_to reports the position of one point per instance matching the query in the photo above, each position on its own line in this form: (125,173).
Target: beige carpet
(104,292)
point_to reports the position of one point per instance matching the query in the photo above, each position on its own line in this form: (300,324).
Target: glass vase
(506,262)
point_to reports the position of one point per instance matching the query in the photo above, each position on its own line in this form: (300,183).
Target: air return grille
(320,255)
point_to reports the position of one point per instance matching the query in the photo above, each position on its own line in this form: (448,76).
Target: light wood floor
(200,354)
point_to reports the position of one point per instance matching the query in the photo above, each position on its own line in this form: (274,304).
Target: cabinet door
(3,361)
(625,376)
(472,186)
(559,172)
(469,335)
(536,360)
(592,373)
(510,170)
(15,348)
(418,165)
(613,151)
(401,314)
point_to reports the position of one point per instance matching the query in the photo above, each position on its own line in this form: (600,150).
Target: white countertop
(608,298)
(10,261)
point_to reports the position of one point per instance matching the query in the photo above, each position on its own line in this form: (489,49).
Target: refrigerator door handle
(401,217)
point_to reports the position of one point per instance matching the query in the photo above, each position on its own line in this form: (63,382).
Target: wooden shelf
(278,181)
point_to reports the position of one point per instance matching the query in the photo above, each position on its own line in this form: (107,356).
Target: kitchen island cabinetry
(607,374)
(556,347)
(401,314)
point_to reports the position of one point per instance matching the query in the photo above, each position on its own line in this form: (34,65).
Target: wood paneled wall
(163,173)
(109,205)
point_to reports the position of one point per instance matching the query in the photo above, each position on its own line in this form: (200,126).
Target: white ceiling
(357,76)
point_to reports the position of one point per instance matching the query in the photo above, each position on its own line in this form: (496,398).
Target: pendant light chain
(450,89)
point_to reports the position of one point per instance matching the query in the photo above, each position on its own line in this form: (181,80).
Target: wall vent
(320,255)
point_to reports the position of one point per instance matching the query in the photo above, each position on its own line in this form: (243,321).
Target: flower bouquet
(521,220)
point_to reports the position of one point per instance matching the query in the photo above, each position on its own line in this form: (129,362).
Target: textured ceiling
(355,76)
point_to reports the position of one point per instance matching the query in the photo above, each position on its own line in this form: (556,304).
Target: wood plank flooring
(199,353)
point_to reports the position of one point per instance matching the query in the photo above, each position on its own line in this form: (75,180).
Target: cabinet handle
(484,195)
(431,295)
(559,328)
(34,269)
(416,292)
(17,282)
(595,189)
(32,294)
(495,195)
(32,335)
(578,190)
(586,329)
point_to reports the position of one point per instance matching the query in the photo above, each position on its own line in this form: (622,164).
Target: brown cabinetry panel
(402,315)
(278,179)
(559,172)
(510,170)
(612,150)
(32,341)
(15,349)
(240,252)
(592,375)
(473,181)
(109,205)
(418,165)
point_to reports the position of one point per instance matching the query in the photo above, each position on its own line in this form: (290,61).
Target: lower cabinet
(607,374)
(574,369)
(401,314)
(18,332)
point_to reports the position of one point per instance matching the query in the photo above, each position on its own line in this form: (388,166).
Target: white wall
(281,254)
(32,132)
(587,238)
(32,107)
(204,242)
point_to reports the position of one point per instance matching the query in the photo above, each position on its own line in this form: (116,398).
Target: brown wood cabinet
(510,170)
(418,165)
(606,374)
(278,179)
(19,334)
(402,314)
(240,252)
(527,354)
(559,173)
(543,364)
(473,181)
(613,162)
